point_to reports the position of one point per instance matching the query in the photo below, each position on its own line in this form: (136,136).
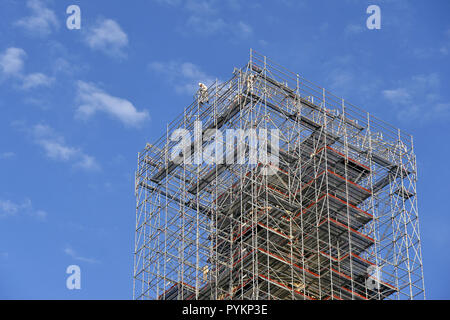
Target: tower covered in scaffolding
(335,218)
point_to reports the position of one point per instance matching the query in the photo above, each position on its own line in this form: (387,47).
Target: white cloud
(427,81)
(204,18)
(184,76)
(398,96)
(41,214)
(87,162)
(42,20)
(340,78)
(206,26)
(55,148)
(418,99)
(12,61)
(34,80)
(107,36)
(94,100)
(74,255)
(243,30)
(433,51)
(12,65)
(213,25)
(201,6)
(11,208)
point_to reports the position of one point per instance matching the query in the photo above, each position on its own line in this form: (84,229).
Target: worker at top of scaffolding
(202,93)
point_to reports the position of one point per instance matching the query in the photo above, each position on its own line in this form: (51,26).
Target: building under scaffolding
(336,219)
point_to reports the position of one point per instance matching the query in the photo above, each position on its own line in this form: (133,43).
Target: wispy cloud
(7,155)
(204,26)
(34,80)
(55,148)
(438,49)
(74,255)
(342,75)
(10,208)
(339,79)
(445,47)
(203,18)
(107,36)
(353,28)
(92,100)
(204,7)
(210,26)
(184,76)
(42,21)
(12,62)
(243,29)
(398,95)
(418,98)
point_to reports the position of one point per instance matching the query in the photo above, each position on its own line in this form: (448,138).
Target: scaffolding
(337,217)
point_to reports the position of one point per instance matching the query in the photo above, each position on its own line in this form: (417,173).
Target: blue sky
(77,105)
